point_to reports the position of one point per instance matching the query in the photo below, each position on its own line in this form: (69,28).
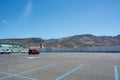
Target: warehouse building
(13,46)
(10,45)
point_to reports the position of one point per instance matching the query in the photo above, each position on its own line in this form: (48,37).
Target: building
(10,45)
(13,46)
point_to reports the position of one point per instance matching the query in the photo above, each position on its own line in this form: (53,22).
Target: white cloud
(28,9)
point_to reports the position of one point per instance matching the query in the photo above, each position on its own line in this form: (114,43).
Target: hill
(72,41)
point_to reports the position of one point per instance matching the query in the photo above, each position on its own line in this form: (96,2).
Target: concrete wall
(86,49)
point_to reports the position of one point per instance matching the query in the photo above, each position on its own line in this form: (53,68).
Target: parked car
(24,50)
(8,51)
(33,51)
(1,51)
(5,51)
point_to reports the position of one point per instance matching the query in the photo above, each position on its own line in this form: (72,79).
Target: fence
(85,49)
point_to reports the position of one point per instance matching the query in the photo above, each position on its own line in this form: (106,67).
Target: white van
(5,51)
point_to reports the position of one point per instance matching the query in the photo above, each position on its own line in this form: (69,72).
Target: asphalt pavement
(60,66)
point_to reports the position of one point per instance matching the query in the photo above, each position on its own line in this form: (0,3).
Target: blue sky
(58,18)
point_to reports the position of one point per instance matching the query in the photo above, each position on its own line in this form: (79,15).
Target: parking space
(60,66)
(92,72)
(119,72)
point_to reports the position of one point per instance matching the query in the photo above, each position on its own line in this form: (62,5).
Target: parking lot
(60,66)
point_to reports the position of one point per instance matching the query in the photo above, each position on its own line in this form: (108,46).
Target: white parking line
(59,78)
(18,74)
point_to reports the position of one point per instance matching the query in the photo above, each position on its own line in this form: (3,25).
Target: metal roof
(13,44)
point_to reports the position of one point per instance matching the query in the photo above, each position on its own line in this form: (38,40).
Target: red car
(33,51)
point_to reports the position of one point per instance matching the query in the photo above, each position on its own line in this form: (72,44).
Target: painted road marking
(10,74)
(59,78)
(17,75)
(31,57)
(35,69)
(116,72)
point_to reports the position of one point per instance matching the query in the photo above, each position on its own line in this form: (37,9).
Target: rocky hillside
(72,41)
(83,41)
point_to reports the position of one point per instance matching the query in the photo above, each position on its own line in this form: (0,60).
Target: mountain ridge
(75,41)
